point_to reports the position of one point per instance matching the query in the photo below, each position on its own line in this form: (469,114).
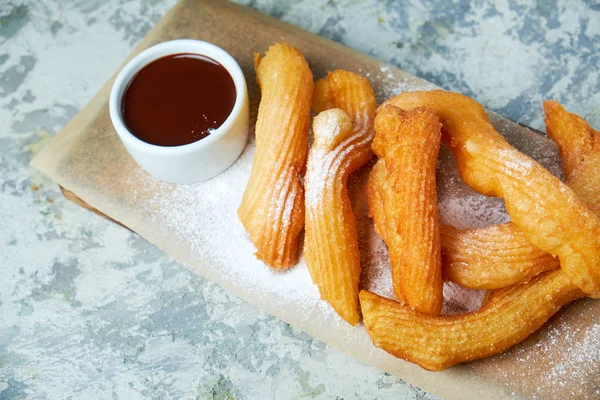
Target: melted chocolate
(178,99)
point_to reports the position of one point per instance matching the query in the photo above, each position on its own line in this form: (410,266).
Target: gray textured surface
(90,310)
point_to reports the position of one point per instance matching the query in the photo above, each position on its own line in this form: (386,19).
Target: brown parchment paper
(87,159)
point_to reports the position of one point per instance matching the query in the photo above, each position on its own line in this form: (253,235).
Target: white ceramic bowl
(199,160)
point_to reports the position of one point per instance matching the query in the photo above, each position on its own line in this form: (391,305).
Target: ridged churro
(491,258)
(343,132)
(435,343)
(272,208)
(579,147)
(402,199)
(374,191)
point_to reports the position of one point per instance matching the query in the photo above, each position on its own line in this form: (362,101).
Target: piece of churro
(403,202)
(507,317)
(579,147)
(272,208)
(490,258)
(342,139)
(374,191)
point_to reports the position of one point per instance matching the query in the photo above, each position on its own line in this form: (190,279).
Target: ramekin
(197,161)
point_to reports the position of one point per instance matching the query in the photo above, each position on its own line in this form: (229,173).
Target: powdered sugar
(579,357)
(394,84)
(394,81)
(458,300)
(282,201)
(322,164)
(376,273)
(562,362)
(473,211)
(516,167)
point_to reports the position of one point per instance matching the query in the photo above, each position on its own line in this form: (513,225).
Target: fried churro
(579,147)
(343,132)
(272,208)
(435,343)
(402,199)
(491,258)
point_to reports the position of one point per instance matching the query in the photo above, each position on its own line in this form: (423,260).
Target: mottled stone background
(90,310)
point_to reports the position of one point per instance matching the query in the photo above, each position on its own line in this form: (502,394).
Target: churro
(343,132)
(491,258)
(272,208)
(403,202)
(435,343)
(579,147)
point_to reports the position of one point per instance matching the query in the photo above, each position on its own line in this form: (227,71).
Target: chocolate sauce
(178,99)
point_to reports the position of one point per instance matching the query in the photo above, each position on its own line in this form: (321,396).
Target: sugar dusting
(203,216)
(458,300)
(474,211)
(282,200)
(202,220)
(394,82)
(322,162)
(562,362)
(579,357)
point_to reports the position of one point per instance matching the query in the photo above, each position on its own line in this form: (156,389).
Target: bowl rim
(179,46)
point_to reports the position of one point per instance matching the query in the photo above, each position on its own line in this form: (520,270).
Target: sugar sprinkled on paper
(578,358)
(563,362)
(393,83)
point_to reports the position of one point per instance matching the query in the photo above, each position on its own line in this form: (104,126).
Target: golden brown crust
(546,210)
(435,343)
(499,256)
(342,145)
(402,199)
(491,258)
(374,192)
(579,147)
(272,208)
